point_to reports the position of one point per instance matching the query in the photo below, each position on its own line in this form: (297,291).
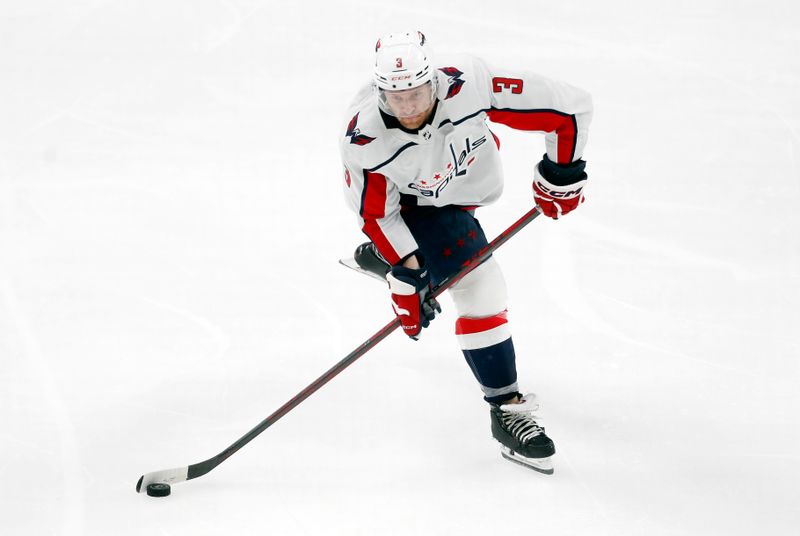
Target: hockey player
(419,158)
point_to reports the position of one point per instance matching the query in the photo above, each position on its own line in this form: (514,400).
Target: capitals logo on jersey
(356,137)
(458,166)
(455,81)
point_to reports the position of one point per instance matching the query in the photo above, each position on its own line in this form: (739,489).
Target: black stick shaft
(204,467)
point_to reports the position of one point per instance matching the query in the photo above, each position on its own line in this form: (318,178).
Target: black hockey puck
(158,489)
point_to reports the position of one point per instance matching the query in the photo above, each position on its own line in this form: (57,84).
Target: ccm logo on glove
(552,192)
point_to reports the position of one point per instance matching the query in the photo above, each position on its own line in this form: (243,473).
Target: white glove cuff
(401,288)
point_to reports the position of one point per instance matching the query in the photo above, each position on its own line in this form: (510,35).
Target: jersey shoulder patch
(354,133)
(454,81)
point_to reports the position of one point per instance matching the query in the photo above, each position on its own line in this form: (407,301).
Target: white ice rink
(170,220)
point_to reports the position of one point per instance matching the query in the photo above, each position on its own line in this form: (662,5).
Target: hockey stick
(181,474)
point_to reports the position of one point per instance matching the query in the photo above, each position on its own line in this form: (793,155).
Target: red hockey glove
(558,188)
(411,298)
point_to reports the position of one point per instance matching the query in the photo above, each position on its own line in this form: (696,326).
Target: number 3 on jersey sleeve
(514,84)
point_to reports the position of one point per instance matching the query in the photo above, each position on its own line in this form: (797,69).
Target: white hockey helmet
(402,63)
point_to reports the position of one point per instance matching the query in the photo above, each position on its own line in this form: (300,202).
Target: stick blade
(167,476)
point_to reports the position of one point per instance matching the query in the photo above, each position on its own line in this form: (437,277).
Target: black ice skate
(368,261)
(523,440)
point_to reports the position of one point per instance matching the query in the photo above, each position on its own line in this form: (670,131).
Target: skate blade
(353,265)
(540,465)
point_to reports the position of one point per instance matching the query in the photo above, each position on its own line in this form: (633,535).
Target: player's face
(411,106)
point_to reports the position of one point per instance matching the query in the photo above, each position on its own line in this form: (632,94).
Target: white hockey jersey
(454,159)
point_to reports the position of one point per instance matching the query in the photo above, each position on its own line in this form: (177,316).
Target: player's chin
(415,121)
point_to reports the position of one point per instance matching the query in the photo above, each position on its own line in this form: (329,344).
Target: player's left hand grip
(412,299)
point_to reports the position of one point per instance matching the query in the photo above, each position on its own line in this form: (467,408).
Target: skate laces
(519,419)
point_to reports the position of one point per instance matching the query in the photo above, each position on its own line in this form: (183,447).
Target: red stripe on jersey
(375,233)
(373,208)
(465,326)
(496,139)
(563,125)
(373,198)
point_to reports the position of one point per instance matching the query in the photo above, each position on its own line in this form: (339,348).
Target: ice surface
(170,221)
